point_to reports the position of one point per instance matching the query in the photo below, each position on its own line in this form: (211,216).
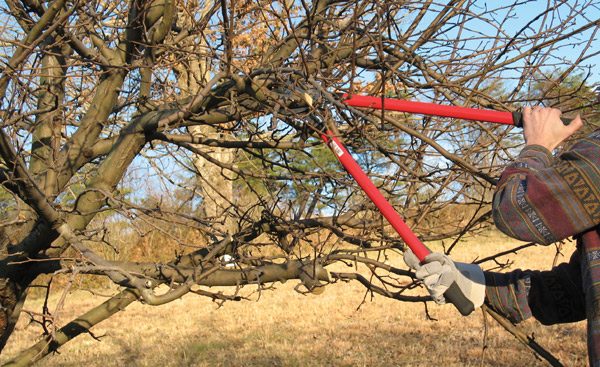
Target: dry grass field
(285,328)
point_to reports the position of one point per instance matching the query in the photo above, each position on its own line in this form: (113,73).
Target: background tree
(110,112)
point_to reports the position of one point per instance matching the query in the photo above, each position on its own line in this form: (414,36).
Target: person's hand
(438,272)
(543,126)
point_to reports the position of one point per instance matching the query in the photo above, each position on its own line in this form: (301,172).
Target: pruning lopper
(454,294)
(432,109)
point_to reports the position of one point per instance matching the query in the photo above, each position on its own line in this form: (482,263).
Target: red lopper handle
(454,294)
(430,109)
(386,209)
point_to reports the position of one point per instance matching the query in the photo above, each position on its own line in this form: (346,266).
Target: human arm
(544,200)
(551,297)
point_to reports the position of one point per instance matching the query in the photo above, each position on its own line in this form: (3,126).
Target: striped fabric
(590,271)
(542,199)
(552,297)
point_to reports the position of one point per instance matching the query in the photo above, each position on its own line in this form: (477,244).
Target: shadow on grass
(289,346)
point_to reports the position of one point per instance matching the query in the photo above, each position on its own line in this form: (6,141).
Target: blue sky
(592,13)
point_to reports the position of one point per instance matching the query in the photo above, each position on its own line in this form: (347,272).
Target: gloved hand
(438,272)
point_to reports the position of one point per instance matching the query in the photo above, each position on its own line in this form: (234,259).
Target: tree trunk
(13,284)
(215,183)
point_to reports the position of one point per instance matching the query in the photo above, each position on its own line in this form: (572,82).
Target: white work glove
(438,272)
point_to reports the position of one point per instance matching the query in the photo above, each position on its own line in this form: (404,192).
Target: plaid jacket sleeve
(552,297)
(543,200)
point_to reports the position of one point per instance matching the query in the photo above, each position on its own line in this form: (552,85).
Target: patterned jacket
(542,199)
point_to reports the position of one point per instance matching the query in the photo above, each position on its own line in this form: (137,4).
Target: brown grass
(285,328)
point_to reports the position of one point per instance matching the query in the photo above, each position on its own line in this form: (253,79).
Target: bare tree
(107,108)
